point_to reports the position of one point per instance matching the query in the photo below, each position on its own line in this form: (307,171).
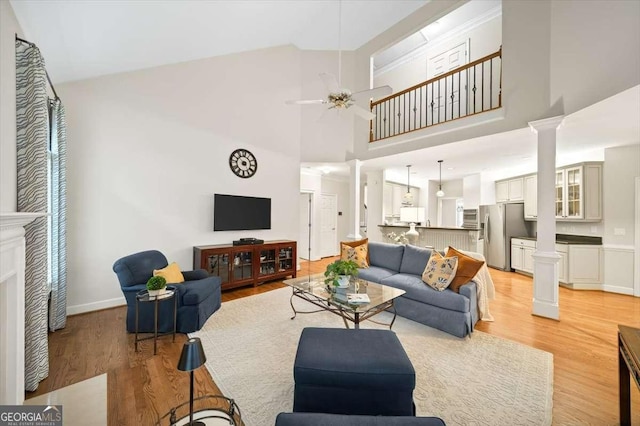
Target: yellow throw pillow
(358,251)
(171,273)
(468,267)
(439,271)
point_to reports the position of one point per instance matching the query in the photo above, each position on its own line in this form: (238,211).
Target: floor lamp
(192,358)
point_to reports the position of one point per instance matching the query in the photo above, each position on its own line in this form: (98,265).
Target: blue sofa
(401,267)
(198,297)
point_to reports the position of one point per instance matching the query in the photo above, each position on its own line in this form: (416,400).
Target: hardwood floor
(584,344)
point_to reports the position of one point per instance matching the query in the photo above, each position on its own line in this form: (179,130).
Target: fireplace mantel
(12,252)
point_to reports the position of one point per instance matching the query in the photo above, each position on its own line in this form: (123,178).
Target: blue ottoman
(344,371)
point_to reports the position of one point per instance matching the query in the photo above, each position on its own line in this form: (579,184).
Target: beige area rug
(251,343)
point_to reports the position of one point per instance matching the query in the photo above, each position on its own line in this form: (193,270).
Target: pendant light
(407,199)
(440,192)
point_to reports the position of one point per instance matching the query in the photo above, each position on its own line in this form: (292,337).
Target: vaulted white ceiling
(83,39)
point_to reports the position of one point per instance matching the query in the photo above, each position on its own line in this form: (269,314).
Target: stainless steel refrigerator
(501,222)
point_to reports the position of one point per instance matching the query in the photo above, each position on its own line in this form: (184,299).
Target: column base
(545,284)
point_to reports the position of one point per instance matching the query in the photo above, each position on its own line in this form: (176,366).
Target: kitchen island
(437,237)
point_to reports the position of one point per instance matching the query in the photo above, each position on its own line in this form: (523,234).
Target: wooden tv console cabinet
(240,266)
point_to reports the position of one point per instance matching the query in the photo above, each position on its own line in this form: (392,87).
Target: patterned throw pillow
(440,271)
(358,251)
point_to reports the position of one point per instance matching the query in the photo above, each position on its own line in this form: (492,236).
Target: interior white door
(328,225)
(305,225)
(448,92)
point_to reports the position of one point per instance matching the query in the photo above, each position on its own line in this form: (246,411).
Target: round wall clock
(243,163)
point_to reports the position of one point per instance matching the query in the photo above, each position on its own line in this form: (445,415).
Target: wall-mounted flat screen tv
(237,213)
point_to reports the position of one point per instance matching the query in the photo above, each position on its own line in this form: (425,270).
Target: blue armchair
(198,297)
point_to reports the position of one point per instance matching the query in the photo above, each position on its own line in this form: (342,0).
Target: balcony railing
(470,89)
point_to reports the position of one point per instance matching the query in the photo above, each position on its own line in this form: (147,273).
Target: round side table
(143,297)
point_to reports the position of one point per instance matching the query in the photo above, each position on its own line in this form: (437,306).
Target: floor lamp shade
(192,356)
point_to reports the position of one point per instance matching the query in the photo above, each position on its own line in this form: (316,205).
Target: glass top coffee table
(340,301)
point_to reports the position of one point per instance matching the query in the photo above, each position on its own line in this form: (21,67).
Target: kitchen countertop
(571,239)
(430,227)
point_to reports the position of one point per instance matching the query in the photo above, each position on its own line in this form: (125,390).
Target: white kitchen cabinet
(580,266)
(522,255)
(510,191)
(387,199)
(393,195)
(563,251)
(502,192)
(398,192)
(585,265)
(531,197)
(579,192)
(517,260)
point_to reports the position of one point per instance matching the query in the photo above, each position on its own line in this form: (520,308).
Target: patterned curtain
(58,302)
(32,142)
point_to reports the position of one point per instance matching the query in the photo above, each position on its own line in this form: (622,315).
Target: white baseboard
(618,289)
(96,306)
(546,309)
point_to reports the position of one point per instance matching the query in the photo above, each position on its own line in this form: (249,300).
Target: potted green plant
(156,286)
(339,273)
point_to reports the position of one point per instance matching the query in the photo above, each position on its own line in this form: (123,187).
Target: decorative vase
(157,293)
(343,281)
(412,234)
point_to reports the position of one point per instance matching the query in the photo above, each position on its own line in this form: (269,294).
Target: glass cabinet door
(285,258)
(218,264)
(574,192)
(560,194)
(267,262)
(242,265)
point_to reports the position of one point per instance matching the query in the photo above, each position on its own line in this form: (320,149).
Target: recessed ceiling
(83,39)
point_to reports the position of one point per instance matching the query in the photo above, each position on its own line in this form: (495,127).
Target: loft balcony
(465,91)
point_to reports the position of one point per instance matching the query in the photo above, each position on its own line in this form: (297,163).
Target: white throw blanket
(485,288)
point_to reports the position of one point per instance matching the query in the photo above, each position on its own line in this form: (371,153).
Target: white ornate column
(545,258)
(12,247)
(354,206)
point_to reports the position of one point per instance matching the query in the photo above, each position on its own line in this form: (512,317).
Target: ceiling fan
(340,98)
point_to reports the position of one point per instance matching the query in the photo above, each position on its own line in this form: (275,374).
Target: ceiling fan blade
(306,102)
(362,112)
(375,93)
(330,82)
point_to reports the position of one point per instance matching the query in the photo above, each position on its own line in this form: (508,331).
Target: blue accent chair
(198,297)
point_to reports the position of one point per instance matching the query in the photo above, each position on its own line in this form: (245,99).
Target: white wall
(621,167)
(375,194)
(471,191)
(339,187)
(8,176)
(326,135)
(311,181)
(148,149)
(485,39)
(594,50)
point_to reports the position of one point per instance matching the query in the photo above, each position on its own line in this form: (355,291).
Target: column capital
(546,123)
(354,163)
